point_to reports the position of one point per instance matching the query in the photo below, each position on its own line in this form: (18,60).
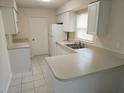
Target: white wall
(5,72)
(26,13)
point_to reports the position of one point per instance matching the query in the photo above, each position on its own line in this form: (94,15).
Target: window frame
(84,40)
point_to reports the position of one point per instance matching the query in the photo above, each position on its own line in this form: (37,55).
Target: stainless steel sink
(75,46)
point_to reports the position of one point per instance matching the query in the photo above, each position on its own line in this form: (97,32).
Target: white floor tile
(36,68)
(26,74)
(27,86)
(37,72)
(27,79)
(17,76)
(39,83)
(32,81)
(29,91)
(15,89)
(35,64)
(15,82)
(40,90)
(37,77)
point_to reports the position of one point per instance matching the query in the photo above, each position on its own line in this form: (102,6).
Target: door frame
(30,39)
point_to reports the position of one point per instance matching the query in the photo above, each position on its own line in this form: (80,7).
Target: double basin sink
(75,46)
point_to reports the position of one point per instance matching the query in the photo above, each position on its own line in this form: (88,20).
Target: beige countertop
(19,45)
(85,62)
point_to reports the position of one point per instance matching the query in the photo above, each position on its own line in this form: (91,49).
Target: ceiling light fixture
(46,0)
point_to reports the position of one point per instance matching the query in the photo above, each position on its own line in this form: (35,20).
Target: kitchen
(74,57)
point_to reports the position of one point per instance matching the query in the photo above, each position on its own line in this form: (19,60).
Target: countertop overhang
(85,62)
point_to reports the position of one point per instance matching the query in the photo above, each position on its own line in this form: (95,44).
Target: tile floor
(30,82)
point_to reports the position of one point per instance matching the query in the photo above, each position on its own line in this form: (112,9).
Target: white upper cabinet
(69,21)
(60,18)
(98,17)
(15,5)
(9,3)
(93,13)
(10,20)
(9,13)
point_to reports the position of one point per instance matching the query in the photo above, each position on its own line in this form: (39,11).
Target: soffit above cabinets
(40,3)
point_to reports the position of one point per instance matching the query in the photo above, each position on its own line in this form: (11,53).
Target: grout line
(21,83)
(37,61)
(43,71)
(32,77)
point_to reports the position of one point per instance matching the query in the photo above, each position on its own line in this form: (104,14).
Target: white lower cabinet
(20,60)
(60,50)
(101,82)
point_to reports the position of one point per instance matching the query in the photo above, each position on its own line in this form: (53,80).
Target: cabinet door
(20,60)
(15,20)
(60,51)
(9,20)
(66,21)
(15,5)
(93,14)
(69,22)
(60,18)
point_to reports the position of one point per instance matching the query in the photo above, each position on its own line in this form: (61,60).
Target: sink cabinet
(60,50)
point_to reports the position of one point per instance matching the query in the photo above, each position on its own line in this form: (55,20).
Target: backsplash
(71,35)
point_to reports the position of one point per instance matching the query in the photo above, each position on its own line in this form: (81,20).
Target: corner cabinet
(10,20)
(98,17)
(69,21)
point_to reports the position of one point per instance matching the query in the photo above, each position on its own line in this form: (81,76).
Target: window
(82,20)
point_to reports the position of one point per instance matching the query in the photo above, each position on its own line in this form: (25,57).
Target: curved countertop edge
(81,76)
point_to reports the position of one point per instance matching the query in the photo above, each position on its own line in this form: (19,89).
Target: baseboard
(8,84)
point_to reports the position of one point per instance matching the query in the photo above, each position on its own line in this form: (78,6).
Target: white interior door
(39,35)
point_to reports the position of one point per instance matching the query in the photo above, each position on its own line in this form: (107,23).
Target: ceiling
(40,3)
